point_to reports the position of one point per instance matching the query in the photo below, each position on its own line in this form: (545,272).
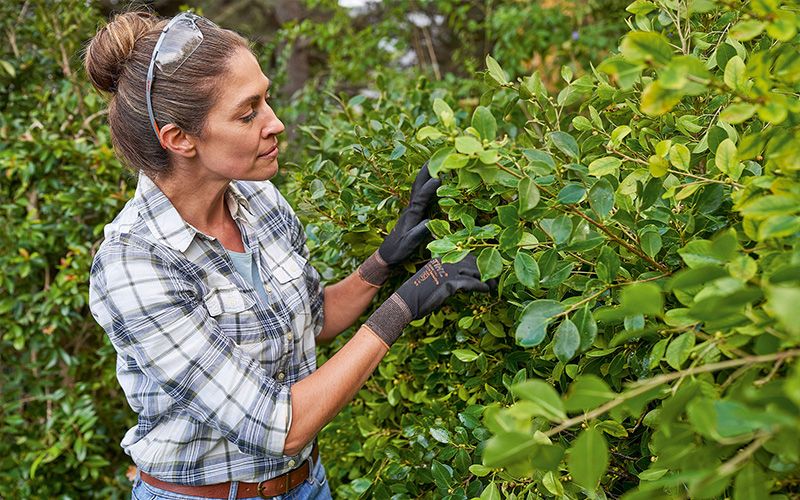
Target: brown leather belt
(265,489)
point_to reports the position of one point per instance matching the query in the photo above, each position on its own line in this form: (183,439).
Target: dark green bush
(643,224)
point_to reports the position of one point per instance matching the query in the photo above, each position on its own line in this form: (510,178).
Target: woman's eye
(251,116)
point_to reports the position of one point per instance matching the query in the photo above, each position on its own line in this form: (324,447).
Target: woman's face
(240,138)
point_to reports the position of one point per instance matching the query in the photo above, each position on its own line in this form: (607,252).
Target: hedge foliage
(640,213)
(643,223)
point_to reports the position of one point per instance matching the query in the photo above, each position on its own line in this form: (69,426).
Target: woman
(203,283)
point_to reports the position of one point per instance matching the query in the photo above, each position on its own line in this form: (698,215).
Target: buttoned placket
(288,345)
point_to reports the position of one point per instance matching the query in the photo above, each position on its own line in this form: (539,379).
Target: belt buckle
(285,487)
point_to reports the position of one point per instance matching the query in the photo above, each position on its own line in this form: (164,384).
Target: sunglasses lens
(179,43)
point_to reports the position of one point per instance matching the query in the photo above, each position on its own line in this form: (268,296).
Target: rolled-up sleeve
(153,314)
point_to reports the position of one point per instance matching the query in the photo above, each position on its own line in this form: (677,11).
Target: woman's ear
(177,141)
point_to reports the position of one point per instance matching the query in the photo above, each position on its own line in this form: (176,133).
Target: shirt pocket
(234,313)
(285,265)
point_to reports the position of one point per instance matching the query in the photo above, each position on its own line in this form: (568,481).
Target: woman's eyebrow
(251,99)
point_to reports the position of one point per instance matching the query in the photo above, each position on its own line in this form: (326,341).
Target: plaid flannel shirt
(205,365)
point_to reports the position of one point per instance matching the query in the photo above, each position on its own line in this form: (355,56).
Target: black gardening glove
(407,234)
(425,292)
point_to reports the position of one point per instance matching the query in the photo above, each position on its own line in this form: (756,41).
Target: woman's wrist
(389,319)
(374,271)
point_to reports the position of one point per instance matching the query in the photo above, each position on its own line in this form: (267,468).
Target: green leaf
(542,395)
(465,355)
(587,327)
(468,145)
(507,448)
(641,298)
(571,193)
(751,483)
(582,123)
(700,253)
(650,240)
(546,456)
(735,77)
(566,144)
(443,112)
(489,156)
(646,47)
(605,166)
(480,470)
(566,341)
(686,74)
(726,159)
(783,26)
(454,256)
(680,157)
(8,68)
(442,474)
(552,482)
(440,247)
(490,492)
(588,458)
(601,198)
(454,161)
(782,304)
(495,71)
(763,207)
(612,428)
(440,434)
(679,349)
(737,113)
(657,100)
(618,134)
(533,323)
(436,162)
(746,30)
(658,166)
(586,393)
(490,263)
(559,228)
(428,132)
(526,270)
(483,121)
(624,72)
(528,196)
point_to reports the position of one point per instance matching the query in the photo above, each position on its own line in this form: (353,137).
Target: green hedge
(643,224)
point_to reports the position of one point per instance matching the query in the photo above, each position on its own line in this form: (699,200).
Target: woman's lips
(270,152)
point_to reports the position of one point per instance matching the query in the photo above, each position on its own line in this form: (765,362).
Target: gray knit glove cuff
(389,319)
(374,271)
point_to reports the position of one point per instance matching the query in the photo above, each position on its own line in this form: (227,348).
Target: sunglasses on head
(178,40)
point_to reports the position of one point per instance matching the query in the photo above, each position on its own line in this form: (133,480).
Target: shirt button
(292,463)
(289,336)
(281,376)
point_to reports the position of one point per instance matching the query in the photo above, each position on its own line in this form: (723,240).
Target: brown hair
(116,61)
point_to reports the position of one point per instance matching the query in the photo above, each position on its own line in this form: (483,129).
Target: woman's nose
(274,125)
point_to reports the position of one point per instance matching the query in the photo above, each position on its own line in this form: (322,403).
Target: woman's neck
(199,201)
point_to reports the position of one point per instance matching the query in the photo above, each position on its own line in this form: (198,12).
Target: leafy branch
(646,385)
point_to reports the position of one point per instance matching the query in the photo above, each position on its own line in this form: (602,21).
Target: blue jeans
(314,488)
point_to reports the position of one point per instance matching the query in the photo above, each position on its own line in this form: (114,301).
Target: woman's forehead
(243,82)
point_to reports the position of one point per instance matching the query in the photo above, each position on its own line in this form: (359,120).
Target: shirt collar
(167,225)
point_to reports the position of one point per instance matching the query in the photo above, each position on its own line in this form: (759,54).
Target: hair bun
(112,46)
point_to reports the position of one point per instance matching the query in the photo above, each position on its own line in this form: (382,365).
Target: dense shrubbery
(641,218)
(643,224)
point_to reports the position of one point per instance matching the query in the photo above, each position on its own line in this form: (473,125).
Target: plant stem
(631,248)
(646,385)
